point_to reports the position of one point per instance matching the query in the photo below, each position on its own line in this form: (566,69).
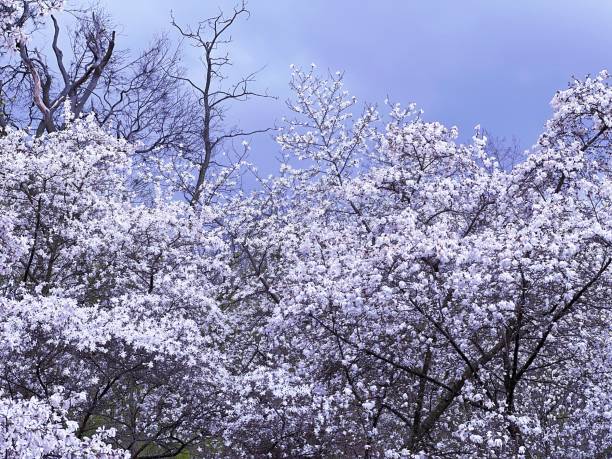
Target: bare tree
(134,94)
(214,98)
(92,53)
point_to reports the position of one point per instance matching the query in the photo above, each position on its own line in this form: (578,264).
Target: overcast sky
(494,63)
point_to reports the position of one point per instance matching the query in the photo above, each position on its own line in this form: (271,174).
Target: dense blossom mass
(391,293)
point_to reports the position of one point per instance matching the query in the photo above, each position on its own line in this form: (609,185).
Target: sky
(493,63)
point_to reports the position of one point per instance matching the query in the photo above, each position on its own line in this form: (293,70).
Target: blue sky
(494,63)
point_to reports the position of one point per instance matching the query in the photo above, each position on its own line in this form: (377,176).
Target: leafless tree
(130,93)
(92,51)
(211,36)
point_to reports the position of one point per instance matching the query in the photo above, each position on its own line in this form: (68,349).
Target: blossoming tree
(418,299)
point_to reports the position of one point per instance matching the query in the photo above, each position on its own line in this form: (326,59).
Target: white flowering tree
(105,300)
(420,300)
